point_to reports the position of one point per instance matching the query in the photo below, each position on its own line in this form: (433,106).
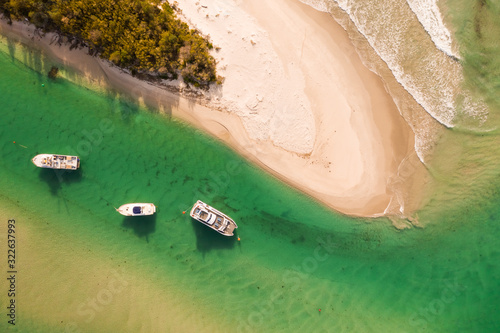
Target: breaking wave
(411,38)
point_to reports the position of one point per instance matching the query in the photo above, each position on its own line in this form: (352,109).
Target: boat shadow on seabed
(142,226)
(55,178)
(208,239)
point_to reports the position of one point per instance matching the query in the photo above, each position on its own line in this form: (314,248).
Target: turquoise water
(294,258)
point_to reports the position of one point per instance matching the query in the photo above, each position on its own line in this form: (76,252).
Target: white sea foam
(320,5)
(430,76)
(412,39)
(430,17)
(389,38)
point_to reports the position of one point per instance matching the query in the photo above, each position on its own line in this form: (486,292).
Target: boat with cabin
(54,161)
(213,218)
(137,209)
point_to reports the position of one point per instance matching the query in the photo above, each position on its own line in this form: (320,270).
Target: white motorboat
(53,161)
(137,209)
(213,218)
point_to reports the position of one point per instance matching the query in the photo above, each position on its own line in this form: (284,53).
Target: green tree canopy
(143,36)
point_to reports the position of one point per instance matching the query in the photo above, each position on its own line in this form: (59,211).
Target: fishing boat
(137,209)
(53,161)
(212,218)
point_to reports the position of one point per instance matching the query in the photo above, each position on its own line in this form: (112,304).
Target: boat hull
(137,209)
(55,161)
(213,218)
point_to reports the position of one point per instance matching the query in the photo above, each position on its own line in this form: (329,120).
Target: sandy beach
(296,99)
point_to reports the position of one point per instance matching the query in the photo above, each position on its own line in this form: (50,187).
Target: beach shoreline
(348,139)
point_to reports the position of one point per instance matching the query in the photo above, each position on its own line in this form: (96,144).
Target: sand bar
(297,99)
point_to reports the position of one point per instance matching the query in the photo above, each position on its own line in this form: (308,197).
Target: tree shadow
(208,239)
(125,107)
(142,226)
(55,178)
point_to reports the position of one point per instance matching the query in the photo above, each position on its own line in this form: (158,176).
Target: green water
(477,30)
(294,257)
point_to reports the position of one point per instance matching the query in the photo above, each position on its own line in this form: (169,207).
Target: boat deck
(57,161)
(230,228)
(203,214)
(213,218)
(64,162)
(219,223)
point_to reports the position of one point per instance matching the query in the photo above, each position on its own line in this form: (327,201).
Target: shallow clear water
(82,267)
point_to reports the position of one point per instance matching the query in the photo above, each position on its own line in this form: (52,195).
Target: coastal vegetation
(142,36)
